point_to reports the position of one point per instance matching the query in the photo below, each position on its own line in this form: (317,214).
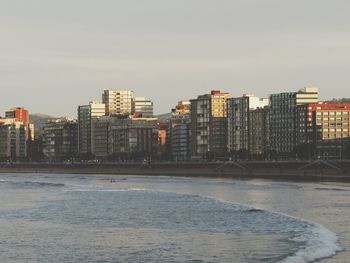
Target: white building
(256,102)
(118,102)
(143,107)
(86,113)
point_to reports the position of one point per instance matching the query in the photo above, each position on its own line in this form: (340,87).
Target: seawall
(336,171)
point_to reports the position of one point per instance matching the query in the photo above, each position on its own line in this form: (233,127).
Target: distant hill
(39,116)
(342,100)
(39,120)
(165,116)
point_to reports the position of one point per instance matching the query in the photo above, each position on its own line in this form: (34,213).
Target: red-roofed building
(326,126)
(20,114)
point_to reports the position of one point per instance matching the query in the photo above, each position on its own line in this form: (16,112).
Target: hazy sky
(55,55)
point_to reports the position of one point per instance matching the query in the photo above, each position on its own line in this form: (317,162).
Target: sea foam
(319,241)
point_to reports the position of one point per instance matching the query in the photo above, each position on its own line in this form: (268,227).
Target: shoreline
(285,171)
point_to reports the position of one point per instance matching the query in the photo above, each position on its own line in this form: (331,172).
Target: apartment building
(143,107)
(179,131)
(209,125)
(118,102)
(86,113)
(114,137)
(13,140)
(324,127)
(282,118)
(259,132)
(60,140)
(243,134)
(18,113)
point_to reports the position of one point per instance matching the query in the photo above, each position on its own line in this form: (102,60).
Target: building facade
(163,127)
(123,138)
(133,138)
(180,142)
(86,113)
(243,134)
(99,137)
(60,140)
(323,129)
(179,132)
(259,133)
(143,107)
(282,118)
(13,140)
(209,125)
(118,102)
(181,111)
(18,113)
(17,134)
(238,124)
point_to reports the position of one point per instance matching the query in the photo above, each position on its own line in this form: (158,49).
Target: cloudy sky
(55,55)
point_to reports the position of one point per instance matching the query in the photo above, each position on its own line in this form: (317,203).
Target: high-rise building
(209,125)
(133,137)
(143,107)
(13,140)
(178,134)
(162,139)
(99,137)
(118,102)
(259,132)
(323,129)
(20,114)
(181,111)
(163,126)
(124,138)
(282,118)
(239,125)
(20,131)
(180,142)
(60,140)
(86,113)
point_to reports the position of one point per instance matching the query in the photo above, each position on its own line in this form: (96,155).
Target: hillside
(39,120)
(342,100)
(165,116)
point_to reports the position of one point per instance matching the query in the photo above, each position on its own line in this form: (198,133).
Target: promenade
(318,170)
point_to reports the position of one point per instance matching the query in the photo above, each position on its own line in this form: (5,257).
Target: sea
(106,218)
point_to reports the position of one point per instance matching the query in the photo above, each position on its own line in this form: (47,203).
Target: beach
(130,218)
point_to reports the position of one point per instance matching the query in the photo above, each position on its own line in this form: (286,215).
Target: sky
(56,55)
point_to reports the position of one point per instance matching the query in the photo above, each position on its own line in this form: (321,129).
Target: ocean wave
(319,241)
(331,189)
(95,189)
(32,184)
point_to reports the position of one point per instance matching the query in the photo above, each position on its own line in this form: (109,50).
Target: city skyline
(56,55)
(211,126)
(174,131)
(136,96)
